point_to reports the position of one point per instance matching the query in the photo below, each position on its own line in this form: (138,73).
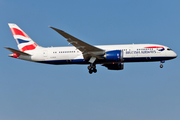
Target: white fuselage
(112,57)
(71,55)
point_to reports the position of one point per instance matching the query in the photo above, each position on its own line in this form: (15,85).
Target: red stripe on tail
(16,31)
(29,47)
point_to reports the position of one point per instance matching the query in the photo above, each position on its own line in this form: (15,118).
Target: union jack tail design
(24,42)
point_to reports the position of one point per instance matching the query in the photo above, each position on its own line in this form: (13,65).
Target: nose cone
(175,55)
(171,54)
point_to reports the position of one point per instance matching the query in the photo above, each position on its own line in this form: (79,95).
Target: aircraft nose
(174,54)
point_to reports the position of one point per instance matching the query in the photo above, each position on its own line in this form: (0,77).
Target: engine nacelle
(114,56)
(119,66)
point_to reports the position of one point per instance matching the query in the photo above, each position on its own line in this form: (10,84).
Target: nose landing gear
(92,68)
(161,65)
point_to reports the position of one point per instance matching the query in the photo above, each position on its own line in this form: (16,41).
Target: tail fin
(24,42)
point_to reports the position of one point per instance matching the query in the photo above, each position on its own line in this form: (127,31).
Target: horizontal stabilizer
(17,51)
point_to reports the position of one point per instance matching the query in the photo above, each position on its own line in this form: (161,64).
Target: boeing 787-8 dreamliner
(111,56)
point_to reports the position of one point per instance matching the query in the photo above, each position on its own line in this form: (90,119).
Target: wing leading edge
(89,52)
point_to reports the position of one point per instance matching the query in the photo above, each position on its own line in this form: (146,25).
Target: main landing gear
(92,68)
(161,65)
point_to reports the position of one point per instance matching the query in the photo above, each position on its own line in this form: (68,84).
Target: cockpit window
(169,49)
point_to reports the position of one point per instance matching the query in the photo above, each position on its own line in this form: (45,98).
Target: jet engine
(114,56)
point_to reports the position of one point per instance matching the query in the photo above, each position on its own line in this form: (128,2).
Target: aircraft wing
(87,49)
(17,51)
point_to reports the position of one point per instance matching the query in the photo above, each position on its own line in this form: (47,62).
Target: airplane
(112,57)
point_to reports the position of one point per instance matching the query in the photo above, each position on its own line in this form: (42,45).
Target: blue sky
(142,91)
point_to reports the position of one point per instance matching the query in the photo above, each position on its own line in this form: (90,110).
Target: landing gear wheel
(89,67)
(161,66)
(95,70)
(92,68)
(90,71)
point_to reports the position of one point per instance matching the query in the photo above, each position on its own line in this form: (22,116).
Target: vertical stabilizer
(24,42)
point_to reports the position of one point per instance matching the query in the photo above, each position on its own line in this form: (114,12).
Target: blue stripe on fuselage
(82,61)
(58,62)
(146,59)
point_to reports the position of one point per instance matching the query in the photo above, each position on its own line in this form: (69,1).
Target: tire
(95,70)
(89,67)
(90,71)
(161,66)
